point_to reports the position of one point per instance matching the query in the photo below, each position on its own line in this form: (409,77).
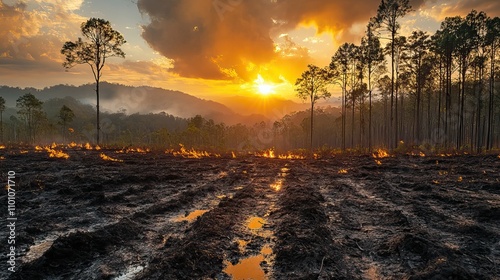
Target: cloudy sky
(208,48)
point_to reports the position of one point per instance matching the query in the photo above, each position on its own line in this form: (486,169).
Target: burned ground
(344,217)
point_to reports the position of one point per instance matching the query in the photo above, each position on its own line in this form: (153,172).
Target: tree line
(440,90)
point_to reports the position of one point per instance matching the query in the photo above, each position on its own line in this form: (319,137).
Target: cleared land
(156,216)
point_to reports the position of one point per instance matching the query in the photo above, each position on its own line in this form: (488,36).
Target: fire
(38,148)
(3,147)
(53,145)
(272,154)
(23,152)
(56,154)
(380,153)
(2,158)
(72,145)
(420,154)
(233,154)
(378,162)
(105,157)
(88,146)
(267,154)
(192,153)
(460,179)
(97,148)
(342,171)
(291,156)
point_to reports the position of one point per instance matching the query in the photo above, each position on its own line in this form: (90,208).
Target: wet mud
(156,216)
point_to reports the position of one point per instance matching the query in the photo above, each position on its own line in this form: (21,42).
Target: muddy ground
(156,216)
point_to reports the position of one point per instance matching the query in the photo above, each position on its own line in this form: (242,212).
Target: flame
(53,145)
(23,152)
(3,147)
(380,153)
(272,154)
(460,179)
(97,148)
(105,157)
(378,162)
(72,145)
(342,171)
(88,146)
(266,154)
(56,154)
(233,154)
(38,148)
(420,154)
(71,130)
(192,153)
(291,156)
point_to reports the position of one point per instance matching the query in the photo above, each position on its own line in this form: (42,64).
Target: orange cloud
(232,39)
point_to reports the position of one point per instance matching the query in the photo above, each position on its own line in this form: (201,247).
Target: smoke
(230,39)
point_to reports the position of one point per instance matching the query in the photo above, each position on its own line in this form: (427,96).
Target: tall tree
(373,57)
(30,111)
(388,14)
(492,40)
(344,66)
(313,85)
(103,42)
(2,108)
(66,116)
(417,48)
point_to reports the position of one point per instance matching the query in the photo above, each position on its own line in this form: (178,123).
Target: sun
(263,88)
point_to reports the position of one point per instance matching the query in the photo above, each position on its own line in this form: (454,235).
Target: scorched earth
(150,215)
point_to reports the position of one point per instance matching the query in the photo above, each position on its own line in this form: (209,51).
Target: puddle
(277,185)
(249,268)
(255,223)
(131,273)
(191,217)
(36,251)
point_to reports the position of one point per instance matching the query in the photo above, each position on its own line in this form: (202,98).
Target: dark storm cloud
(221,39)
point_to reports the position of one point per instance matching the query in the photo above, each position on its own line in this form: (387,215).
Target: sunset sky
(207,48)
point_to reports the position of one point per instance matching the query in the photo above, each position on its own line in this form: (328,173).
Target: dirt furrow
(149,225)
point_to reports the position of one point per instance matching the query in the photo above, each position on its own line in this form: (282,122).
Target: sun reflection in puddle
(277,185)
(191,217)
(249,268)
(255,223)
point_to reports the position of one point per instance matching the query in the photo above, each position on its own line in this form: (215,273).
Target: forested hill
(131,100)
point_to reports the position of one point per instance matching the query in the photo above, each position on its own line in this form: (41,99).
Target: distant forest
(432,91)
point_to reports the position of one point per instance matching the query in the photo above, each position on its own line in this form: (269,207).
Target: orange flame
(342,171)
(72,145)
(378,162)
(38,148)
(105,157)
(266,154)
(56,154)
(88,146)
(291,156)
(380,153)
(2,147)
(192,153)
(233,154)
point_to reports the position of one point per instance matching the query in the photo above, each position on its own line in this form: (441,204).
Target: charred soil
(156,216)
